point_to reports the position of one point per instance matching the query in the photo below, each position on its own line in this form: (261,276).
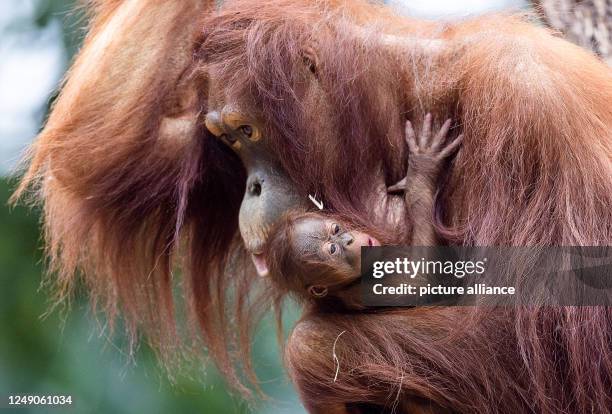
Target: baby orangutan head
(313,255)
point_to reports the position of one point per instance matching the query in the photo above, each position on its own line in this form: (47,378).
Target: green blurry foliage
(68,352)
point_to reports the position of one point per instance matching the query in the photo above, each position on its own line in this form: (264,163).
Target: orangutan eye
(335,228)
(247,130)
(333,248)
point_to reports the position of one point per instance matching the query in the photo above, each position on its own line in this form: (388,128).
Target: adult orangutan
(183,133)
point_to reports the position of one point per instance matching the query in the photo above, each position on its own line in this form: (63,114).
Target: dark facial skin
(331,241)
(268,193)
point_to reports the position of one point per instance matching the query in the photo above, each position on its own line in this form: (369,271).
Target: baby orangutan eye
(333,248)
(335,228)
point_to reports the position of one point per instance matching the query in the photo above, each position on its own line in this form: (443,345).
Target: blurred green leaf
(65,354)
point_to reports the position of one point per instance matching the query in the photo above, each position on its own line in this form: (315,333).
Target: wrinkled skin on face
(325,254)
(331,242)
(269,192)
(312,255)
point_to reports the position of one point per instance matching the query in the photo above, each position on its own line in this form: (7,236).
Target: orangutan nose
(254,187)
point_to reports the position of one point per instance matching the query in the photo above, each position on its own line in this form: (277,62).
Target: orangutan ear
(317,291)
(310,59)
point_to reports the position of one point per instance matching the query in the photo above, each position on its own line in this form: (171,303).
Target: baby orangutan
(317,256)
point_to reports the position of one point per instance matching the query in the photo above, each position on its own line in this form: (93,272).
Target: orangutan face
(269,192)
(331,242)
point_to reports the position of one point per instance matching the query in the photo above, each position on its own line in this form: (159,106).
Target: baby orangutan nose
(347,238)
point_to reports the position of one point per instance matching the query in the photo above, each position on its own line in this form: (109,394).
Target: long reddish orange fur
(124,203)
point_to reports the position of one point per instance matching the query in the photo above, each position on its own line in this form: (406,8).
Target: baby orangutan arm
(427,155)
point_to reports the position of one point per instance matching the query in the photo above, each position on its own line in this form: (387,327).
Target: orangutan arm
(427,154)
(342,364)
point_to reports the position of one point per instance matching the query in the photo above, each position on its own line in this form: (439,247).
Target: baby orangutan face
(312,256)
(330,242)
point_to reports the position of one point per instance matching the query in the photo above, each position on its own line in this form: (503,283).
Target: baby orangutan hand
(427,155)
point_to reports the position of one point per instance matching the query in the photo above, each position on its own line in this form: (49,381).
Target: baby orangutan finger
(450,148)
(441,135)
(411,138)
(425,132)
(397,187)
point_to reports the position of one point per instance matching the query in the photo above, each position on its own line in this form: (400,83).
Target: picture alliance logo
(412,268)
